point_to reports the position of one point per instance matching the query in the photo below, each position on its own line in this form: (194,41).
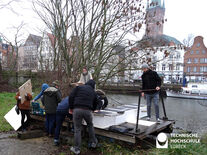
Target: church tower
(154,18)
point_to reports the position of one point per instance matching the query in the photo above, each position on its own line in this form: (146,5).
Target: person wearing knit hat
(145,65)
(56,83)
(151,83)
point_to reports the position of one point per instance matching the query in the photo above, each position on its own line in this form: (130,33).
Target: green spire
(156,3)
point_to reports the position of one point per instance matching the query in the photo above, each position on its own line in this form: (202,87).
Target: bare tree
(13,47)
(87,32)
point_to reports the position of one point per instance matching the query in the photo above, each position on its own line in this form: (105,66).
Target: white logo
(162,140)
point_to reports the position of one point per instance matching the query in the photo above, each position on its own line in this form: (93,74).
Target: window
(203,69)
(163,67)
(198,44)
(194,69)
(195,60)
(191,52)
(189,61)
(188,69)
(203,51)
(201,60)
(197,52)
(177,66)
(170,67)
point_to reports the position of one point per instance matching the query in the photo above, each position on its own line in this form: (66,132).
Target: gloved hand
(19,97)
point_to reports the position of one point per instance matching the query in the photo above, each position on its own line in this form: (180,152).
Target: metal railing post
(138,108)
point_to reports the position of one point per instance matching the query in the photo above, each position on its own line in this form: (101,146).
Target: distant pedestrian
(61,112)
(85,76)
(83,100)
(51,98)
(24,109)
(151,83)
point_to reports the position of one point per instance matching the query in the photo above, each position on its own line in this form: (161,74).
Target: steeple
(155,18)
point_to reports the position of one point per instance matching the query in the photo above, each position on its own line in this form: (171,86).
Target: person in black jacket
(50,100)
(83,100)
(103,98)
(151,83)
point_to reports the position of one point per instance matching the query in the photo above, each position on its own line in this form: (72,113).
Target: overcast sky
(183,17)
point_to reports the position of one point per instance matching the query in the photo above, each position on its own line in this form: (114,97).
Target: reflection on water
(189,114)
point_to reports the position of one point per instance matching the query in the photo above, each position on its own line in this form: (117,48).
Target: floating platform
(124,118)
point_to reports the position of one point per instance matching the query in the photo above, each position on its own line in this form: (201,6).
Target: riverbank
(106,146)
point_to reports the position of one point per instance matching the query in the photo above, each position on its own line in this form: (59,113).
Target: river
(189,114)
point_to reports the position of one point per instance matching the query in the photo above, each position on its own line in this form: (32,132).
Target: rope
(115,100)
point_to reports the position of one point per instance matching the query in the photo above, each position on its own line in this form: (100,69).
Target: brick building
(195,61)
(155,18)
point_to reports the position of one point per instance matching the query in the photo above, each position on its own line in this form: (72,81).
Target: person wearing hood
(44,87)
(83,100)
(50,100)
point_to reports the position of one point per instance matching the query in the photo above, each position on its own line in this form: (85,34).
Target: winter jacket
(26,104)
(63,106)
(103,98)
(44,87)
(85,78)
(150,80)
(51,98)
(84,97)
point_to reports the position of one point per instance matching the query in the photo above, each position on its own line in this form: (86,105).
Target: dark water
(190,115)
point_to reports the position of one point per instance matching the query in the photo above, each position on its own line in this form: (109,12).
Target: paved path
(10,145)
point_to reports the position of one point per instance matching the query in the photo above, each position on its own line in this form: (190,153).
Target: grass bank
(7,101)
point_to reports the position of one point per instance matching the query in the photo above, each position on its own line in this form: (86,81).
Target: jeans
(78,116)
(23,114)
(60,117)
(50,123)
(155,98)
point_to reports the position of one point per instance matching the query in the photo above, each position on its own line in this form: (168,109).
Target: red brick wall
(188,55)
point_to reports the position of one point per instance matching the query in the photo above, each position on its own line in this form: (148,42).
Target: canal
(189,114)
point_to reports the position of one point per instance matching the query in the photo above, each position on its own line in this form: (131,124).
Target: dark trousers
(155,99)
(60,117)
(24,113)
(78,116)
(50,123)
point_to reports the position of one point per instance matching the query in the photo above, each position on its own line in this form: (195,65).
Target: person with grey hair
(151,83)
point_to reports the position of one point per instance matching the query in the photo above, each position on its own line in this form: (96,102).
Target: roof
(33,38)
(160,40)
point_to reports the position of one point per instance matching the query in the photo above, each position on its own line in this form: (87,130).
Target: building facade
(46,52)
(30,53)
(195,61)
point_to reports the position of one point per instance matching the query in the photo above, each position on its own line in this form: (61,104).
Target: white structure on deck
(116,116)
